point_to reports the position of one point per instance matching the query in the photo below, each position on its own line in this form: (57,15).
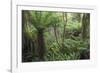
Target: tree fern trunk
(41,45)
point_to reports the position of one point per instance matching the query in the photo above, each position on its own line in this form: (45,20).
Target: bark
(55,33)
(85,25)
(27,43)
(64,30)
(41,45)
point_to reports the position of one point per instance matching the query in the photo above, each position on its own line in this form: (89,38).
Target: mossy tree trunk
(85,25)
(41,45)
(27,43)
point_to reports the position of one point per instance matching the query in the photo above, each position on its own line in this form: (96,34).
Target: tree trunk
(64,28)
(41,45)
(27,43)
(85,25)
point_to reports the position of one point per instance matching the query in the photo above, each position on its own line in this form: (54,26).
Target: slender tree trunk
(55,33)
(83,26)
(64,28)
(23,37)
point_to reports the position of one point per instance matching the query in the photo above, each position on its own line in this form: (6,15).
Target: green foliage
(42,20)
(71,51)
(30,31)
(73,25)
(65,45)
